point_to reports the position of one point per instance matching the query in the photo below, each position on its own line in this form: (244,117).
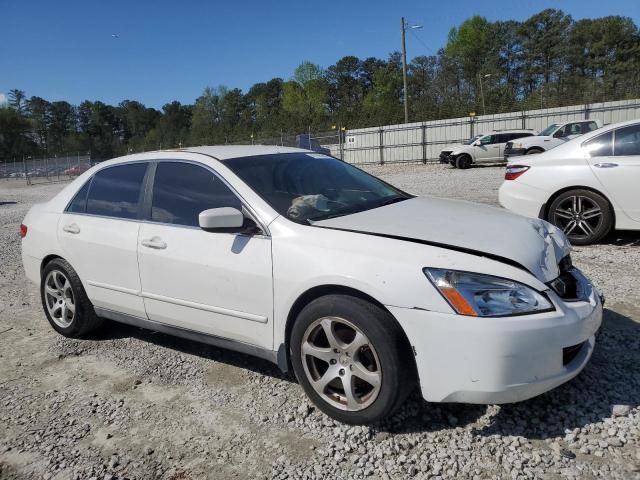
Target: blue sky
(166,50)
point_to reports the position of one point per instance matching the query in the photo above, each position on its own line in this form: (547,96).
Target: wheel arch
(313,293)
(535,147)
(47,259)
(547,205)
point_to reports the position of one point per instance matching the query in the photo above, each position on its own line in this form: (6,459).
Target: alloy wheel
(59,298)
(579,217)
(341,364)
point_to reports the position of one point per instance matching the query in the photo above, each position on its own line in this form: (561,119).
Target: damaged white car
(365,291)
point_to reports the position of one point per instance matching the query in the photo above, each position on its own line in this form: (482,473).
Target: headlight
(516,145)
(479,295)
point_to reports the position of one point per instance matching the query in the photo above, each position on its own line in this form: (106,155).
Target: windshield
(307,187)
(549,130)
(472,139)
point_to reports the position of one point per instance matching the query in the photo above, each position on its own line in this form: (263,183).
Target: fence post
(340,146)
(26,173)
(381,132)
(471,134)
(586,111)
(524,120)
(424,143)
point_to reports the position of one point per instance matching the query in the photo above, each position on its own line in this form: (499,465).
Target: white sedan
(586,187)
(367,292)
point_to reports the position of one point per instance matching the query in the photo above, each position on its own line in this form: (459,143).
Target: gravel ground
(135,404)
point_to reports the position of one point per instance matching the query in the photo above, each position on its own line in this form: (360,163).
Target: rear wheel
(463,162)
(65,302)
(584,216)
(351,358)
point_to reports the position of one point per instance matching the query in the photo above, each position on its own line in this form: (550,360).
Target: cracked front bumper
(500,360)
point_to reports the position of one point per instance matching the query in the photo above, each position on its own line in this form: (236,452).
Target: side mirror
(477,143)
(220,218)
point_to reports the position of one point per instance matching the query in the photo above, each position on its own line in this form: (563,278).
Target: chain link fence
(45,169)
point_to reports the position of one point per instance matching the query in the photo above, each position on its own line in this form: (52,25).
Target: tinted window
(115,191)
(589,127)
(627,141)
(182,190)
(79,202)
(488,139)
(600,146)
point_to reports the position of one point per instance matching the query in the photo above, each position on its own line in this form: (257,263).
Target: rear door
(98,233)
(219,283)
(615,161)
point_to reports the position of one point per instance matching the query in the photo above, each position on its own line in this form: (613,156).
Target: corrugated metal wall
(423,141)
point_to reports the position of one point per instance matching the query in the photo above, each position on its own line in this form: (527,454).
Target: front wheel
(584,216)
(351,358)
(463,162)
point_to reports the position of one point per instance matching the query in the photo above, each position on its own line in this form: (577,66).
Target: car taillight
(514,171)
(23,230)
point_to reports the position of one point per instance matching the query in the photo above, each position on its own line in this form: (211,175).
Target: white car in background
(554,135)
(304,260)
(586,187)
(484,148)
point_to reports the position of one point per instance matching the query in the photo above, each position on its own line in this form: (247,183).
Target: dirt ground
(130,403)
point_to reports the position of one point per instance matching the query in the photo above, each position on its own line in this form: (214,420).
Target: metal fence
(423,141)
(46,169)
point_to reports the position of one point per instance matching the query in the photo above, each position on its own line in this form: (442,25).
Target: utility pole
(484,110)
(403,28)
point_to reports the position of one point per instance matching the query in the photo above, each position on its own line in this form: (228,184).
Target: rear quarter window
(79,202)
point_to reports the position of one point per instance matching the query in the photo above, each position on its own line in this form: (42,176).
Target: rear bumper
(31,267)
(522,198)
(500,360)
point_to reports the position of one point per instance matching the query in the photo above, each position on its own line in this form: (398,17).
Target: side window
(589,127)
(488,139)
(627,141)
(563,131)
(513,136)
(79,202)
(182,190)
(115,191)
(600,146)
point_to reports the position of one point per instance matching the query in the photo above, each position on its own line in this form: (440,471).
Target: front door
(218,283)
(489,149)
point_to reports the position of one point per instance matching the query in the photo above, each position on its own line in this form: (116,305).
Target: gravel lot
(135,404)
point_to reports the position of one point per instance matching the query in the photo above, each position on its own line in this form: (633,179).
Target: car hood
(532,244)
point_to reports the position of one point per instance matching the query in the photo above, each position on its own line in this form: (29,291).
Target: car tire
(453,163)
(534,151)
(380,372)
(65,302)
(583,215)
(463,162)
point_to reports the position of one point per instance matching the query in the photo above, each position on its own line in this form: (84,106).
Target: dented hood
(532,244)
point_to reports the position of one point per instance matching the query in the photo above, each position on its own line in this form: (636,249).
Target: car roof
(225,152)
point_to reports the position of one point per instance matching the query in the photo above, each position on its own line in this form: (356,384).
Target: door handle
(606,165)
(73,228)
(154,242)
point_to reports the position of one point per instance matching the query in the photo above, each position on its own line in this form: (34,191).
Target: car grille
(570,353)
